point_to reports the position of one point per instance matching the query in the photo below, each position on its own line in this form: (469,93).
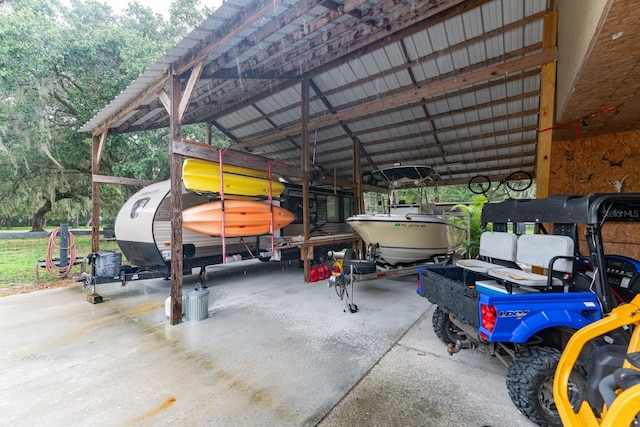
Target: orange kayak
(241,218)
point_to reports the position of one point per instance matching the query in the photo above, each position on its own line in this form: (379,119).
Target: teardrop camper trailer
(143,228)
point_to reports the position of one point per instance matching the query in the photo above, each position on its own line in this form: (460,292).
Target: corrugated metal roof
(391,75)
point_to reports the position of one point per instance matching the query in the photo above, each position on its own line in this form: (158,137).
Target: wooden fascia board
(235,51)
(106,179)
(331,50)
(223,35)
(153,88)
(228,31)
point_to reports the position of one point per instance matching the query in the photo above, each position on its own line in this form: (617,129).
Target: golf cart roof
(566,209)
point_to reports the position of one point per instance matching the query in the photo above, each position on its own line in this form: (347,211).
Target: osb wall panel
(605,164)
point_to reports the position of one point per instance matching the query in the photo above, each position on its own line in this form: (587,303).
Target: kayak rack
(270,198)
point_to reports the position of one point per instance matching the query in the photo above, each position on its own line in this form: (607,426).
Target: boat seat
(554,253)
(494,246)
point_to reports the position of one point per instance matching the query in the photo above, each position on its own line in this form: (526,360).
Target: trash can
(197,305)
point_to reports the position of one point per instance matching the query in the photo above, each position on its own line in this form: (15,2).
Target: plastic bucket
(167,306)
(197,305)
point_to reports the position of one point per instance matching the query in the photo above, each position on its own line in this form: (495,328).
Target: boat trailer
(343,282)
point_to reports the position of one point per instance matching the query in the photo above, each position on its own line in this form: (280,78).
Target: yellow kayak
(204,177)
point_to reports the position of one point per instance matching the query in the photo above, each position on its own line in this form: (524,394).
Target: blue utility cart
(526,294)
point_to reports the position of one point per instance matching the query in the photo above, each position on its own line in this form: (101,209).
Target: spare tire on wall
(360,266)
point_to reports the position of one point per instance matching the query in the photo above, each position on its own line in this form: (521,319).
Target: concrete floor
(274,351)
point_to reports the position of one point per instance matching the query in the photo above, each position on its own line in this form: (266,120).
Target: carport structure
(326,90)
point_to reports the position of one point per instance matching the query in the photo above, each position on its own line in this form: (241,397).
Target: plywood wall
(601,164)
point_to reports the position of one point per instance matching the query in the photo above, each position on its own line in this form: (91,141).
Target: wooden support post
(357,177)
(207,133)
(176,201)
(304,162)
(547,111)
(95,196)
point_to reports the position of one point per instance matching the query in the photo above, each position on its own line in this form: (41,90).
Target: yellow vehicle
(619,386)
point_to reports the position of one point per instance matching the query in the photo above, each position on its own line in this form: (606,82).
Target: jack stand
(94,298)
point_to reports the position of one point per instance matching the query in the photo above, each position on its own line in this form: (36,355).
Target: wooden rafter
(238,49)
(323,51)
(476,73)
(453,83)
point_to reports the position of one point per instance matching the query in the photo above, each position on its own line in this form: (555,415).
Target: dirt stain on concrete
(167,403)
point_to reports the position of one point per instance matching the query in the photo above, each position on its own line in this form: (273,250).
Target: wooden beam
(229,30)
(418,103)
(328,50)
(422,136)
(103,141)
(164,98)
(176,202)
(106,179)
(191,84)
(233,157)
(547,103)
(411,94)
(291,14)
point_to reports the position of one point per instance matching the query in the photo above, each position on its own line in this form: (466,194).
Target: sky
(159,6)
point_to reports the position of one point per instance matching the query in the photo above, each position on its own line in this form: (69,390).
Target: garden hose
(53,269)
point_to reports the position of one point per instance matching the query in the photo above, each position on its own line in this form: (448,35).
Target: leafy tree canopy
(60,63)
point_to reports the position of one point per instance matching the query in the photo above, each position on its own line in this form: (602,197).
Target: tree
(59,65)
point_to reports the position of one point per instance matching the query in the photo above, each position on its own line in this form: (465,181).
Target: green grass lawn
(18,257)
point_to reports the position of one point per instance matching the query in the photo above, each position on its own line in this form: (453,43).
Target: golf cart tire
(530,384)
(444,328)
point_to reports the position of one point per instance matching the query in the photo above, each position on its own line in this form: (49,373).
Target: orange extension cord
(53,269)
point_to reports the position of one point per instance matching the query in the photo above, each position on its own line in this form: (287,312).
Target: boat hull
(401,239)
(204,177)
(241,218)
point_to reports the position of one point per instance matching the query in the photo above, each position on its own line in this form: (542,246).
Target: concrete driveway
(274,351)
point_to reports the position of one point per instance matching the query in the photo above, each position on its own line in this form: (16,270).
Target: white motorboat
(409,232)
